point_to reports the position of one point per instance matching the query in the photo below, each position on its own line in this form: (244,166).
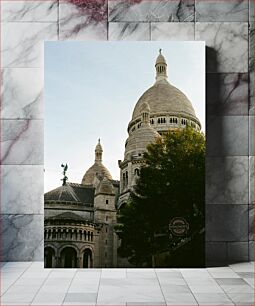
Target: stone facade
(79,221)
(161,108)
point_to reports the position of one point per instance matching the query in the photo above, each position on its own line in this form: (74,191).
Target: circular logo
(179,226)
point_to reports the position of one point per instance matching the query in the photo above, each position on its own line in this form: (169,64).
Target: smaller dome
(99,148)
(138,140)
(98,169)
(160,59)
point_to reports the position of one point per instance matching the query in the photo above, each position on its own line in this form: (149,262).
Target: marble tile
(238,251)
(251,10)
(19,294)
(195,273)
(227,94)
(246,275)
(226,43)
(251,180)
(83,20)
(180,299)
(145,303)
(62,275)
(251,68)
(153,10)
(241,299)
(85,286)
(113,273)
(43,298)
(222,272)
(251,222)
(81,297)
(145,274)
(234,10)
(128,31)
(251,93)
(227,223)
(227,135)
(169,280)
(237,289)
(23,43)
(205,288)
(251,135)
(251,250)
(22,142)
(169,289)
(142,293)
(227,180)
(172,31)
(22,237)
(216,253)
(242,267)
(213,299)
(250,281)
(23,10)
(112,295)
(22,189)
(22,93)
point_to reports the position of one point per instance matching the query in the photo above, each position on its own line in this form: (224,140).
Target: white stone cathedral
(80,218)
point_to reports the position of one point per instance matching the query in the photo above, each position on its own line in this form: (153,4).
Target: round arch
(68,257)
(88,256)
(49,257)
(70,245)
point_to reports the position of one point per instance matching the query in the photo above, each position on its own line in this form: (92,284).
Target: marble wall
(227,27)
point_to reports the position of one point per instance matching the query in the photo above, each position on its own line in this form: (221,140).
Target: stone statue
(65,178)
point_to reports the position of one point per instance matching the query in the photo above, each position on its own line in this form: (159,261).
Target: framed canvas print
(124,154)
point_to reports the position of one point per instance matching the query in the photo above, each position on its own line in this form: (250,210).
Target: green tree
(171,184)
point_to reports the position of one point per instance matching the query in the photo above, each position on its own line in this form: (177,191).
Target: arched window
(68,258)
(158,120)
(87,259)
(126,178)
(137,172)
(49,257)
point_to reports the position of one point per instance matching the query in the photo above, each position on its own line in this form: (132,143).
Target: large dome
(164,98)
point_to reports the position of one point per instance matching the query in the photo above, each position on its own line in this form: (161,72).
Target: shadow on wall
(214,144)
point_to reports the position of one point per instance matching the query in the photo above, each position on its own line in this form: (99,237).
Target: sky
(91,89)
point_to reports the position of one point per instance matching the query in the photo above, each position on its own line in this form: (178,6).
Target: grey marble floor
(28,283)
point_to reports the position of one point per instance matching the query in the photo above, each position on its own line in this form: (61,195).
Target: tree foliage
(171,184)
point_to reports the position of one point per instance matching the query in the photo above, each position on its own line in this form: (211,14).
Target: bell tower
(161,67)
